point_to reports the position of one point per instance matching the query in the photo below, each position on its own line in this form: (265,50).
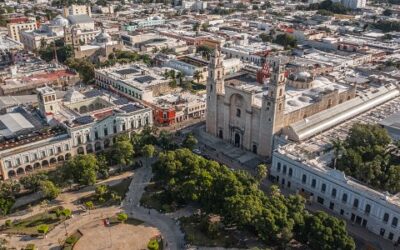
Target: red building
(164,115)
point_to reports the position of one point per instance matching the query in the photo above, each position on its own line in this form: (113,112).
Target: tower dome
(60,21)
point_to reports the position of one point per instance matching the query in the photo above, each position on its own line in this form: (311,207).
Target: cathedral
(249,114)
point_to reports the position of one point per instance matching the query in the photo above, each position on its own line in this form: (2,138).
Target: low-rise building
(134,81)
(82,123)
(16,25)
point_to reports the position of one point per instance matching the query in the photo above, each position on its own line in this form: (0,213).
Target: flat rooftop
(313,152)
(137,76)
(295,98)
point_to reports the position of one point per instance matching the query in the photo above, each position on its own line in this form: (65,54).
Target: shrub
(153,245)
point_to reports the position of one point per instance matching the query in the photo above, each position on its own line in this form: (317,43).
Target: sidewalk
(168,227)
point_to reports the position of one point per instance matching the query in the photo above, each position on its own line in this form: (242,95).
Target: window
(390,237)
(66,147)
(386,217)
(290,171)
(333,193)
(284,169)
(323,188)
(278,168)
(304,178)
(344,198)
(395,221)
(355,203)
(87,137)
(51,151)
(26,159)
(313,183)
(58,149)
(105,131)
(367,209)
(115,129)
(96,135)
(238,112)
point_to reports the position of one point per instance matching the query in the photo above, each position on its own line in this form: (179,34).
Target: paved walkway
(68,200)
(116,237)
(168,227)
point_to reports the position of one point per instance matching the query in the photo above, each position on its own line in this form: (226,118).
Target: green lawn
(195,236)
(29,225)
(156,198)
(121,189)
(71,240)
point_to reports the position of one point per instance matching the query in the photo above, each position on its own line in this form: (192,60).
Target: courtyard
(96,236)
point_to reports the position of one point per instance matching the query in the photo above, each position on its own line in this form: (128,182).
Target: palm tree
(179,76)
(338,148)
(197,75)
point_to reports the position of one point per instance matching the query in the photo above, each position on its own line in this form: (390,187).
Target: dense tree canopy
(236,195)
(286,40)
(83,66)
(366,155)
(82,169)
(328,5)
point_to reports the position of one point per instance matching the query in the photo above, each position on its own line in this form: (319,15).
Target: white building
(354,4)
(134,81)
(304,168)
(85,123)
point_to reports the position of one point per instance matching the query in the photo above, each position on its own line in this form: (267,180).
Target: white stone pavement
(169,228)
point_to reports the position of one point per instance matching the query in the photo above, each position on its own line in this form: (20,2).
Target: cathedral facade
(248,114)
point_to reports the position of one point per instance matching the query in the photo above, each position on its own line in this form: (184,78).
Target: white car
(197,151)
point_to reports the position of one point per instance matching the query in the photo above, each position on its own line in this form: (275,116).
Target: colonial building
(249,114)
(304,167)
(80,123)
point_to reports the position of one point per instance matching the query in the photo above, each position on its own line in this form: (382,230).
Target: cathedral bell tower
(273,106)
(215,87)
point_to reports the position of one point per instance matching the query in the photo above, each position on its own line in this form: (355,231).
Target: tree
(338,149)
(122,151)
(8,223)
(205,51)
(387,12)
(49,190)
(196,26)
(101,191)
(148,152)
(197,75)
(287,41)
(82,169)
(322,231)
(89,205)
(122,217)
(179,76)
(262,172)
(83,66)
(205,26)
(66,213)
(43,229)
(153,245)
(190,142)
(265,37)
(103,165)
(32,181)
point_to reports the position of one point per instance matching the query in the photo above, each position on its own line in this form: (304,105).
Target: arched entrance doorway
(89,148)
(28,168)
(11,173)
(81,151)
(97,146)
(20,171)
(237,140)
